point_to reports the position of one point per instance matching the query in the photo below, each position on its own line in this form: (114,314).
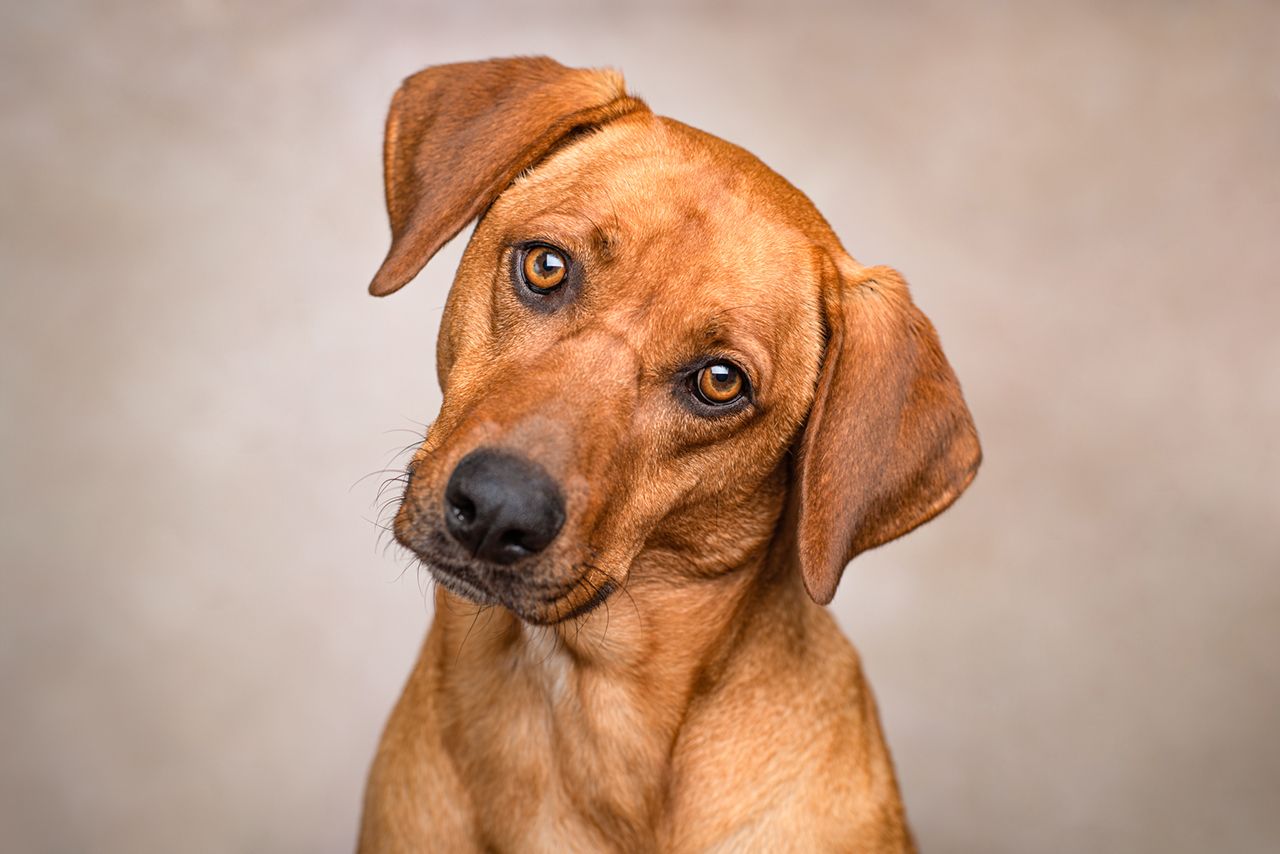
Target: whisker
(479,609)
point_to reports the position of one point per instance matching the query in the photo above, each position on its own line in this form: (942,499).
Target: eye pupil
(549,264)
(543,269)
(719,383)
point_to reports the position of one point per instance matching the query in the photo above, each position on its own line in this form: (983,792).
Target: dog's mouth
(531,593)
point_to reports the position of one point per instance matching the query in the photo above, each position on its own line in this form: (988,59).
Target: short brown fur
(660,678)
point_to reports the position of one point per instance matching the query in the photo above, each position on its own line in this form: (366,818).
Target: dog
(674,407)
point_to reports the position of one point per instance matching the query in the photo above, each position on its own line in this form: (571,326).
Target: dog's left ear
(889,442)
(458,135)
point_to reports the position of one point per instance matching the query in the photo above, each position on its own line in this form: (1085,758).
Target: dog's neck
(603,698)
(658,630)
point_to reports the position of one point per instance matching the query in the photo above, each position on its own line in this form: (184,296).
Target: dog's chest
(564,755)
(547,663)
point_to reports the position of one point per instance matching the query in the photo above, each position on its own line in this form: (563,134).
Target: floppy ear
(458,135)
(889,442)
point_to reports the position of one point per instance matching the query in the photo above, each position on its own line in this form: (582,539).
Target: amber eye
(543,269)
(719,383)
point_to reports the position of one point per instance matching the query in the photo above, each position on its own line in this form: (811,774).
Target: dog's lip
(595,600)
(456,583)
(547,610)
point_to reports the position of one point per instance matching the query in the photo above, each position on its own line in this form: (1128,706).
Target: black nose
(502,507)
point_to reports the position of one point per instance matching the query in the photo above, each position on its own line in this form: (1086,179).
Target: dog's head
(653,343)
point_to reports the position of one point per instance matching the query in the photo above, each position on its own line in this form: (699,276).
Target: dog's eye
(543,269)
(719,383)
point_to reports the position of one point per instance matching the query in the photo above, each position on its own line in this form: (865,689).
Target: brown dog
(674,408)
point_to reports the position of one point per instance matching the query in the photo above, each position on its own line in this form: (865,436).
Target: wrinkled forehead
(673,216)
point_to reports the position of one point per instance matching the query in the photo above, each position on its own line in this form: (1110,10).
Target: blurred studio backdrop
(200,639)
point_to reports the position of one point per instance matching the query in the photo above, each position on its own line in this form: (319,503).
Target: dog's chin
(459,586)
(531,602)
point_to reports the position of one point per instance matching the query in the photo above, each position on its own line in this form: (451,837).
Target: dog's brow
(729,319)
(602,237)
(735,330)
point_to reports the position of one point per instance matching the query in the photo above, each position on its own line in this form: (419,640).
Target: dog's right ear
(458,135)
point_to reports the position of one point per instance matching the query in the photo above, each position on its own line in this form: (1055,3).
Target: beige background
(200,637)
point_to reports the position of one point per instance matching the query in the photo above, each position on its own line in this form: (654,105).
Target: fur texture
(661,678)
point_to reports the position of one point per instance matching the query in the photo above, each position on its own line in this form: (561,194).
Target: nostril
(461,515)
(519,540)
(462,508)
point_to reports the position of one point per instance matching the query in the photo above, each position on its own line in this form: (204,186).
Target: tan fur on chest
(570,734)
(561,753)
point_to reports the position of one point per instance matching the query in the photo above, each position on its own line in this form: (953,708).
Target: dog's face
(629,346)
(639,328)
